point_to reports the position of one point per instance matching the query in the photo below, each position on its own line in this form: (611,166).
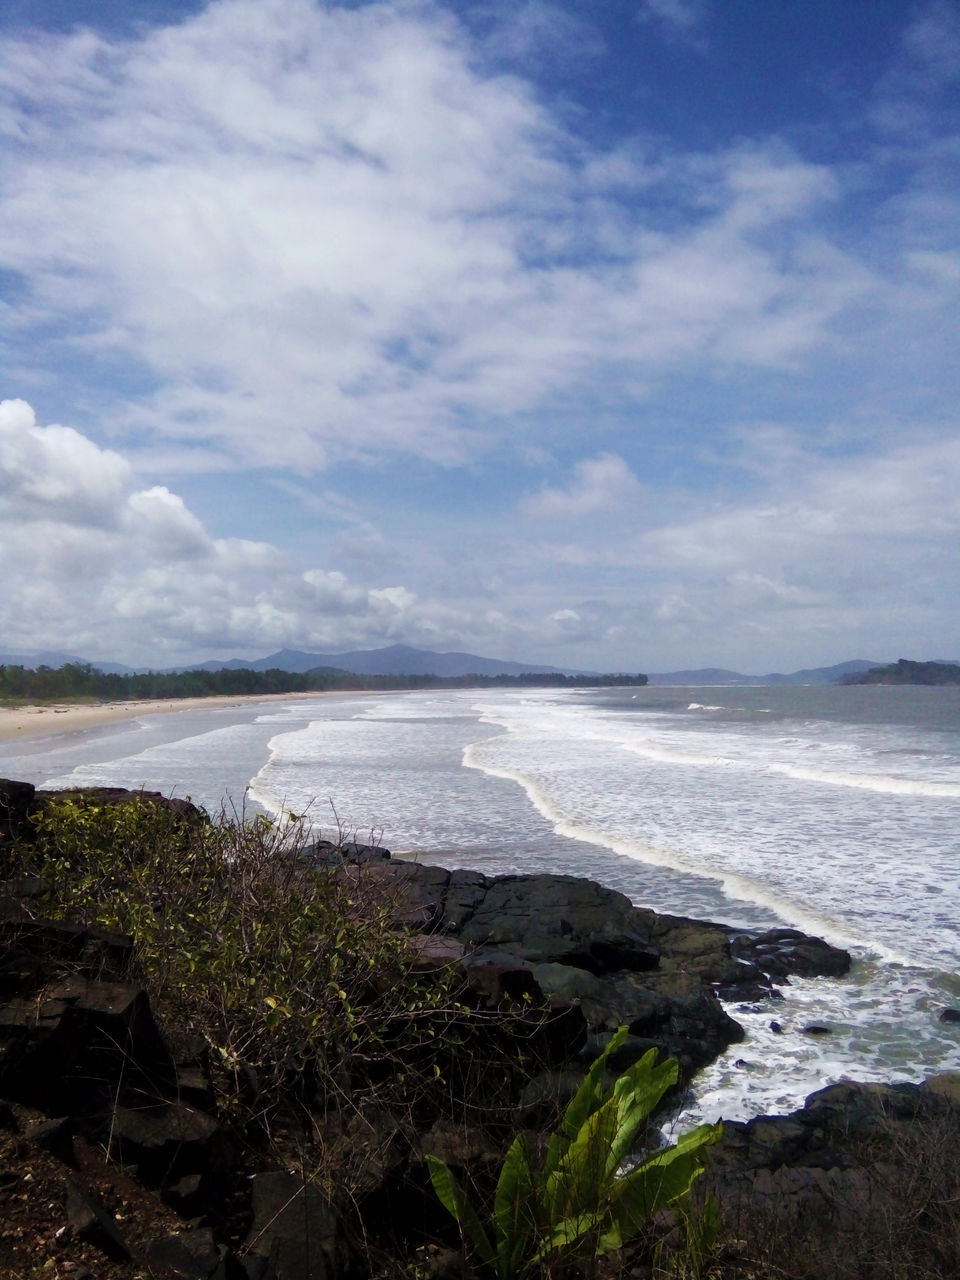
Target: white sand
(59,717)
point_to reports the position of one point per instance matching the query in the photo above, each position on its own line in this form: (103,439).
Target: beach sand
(37,721)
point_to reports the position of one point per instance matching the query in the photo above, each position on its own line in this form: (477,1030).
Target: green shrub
(296,975)
(580,1203)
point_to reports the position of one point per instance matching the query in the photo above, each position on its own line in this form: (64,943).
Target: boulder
(295,1233)
(781,953)
(88,1220)
(16,804)
(841,1181)
(165,1140)
(187,1255)
(561,919)
(67,1050)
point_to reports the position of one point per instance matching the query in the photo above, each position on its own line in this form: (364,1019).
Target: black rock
(296,1233)
(949,1015)
(55,1136)
(192,1255)
(87,1219)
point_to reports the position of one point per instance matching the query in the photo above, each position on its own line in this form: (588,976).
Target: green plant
(583,1201)
(296,975)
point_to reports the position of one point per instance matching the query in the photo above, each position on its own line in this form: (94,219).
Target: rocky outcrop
(578,941)
(862,1180)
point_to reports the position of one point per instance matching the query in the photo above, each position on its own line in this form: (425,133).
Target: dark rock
(418,891)
(324,853)
(949,1015)
(434,952)
(493,986)
(87,1219)
(839,1166)
(70,1048)
(700,949)
(561,919)
(16,803)
(165,1140)
(817,1029)
(186,1196)
(55,1136)
(357,854)
(776,1028)
(465,890)
(193,1255)
(780,953)
(296,1234)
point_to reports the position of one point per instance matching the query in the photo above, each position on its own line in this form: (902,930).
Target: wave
(733,884)
(871,782)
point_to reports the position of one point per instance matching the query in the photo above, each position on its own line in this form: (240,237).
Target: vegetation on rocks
(295,976)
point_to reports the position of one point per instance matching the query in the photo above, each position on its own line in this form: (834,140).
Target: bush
(295,975)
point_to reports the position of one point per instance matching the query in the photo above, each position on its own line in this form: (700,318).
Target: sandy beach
(36,721)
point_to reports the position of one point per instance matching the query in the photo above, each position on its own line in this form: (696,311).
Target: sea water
(833,810)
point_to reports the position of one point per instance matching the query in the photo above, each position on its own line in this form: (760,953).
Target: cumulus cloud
(89,560)
(55,471)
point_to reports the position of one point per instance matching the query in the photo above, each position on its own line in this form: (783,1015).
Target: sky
(609,334)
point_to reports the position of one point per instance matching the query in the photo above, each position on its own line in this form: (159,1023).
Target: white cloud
(55,471)
(600,484)
(88,561)
(324,231)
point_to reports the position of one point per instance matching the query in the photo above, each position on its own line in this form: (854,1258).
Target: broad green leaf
(585,1101)
(515,1209)
(638,1092)
(656,1183)
(452,1197)
(578,1182)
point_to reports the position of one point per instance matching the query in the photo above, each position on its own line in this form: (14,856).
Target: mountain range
(400,659)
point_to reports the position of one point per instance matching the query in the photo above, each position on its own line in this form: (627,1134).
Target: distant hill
(395,660)
(55,658)
(721,676)
(903,671)
(402,660)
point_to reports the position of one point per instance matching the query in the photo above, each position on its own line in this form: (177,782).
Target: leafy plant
(582,1201)
(296,975)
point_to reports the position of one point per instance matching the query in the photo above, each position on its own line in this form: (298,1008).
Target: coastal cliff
(142,1134)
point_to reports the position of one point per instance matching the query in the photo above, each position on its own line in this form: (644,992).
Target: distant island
(903,671)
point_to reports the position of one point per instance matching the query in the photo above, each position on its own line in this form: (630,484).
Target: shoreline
(41,720)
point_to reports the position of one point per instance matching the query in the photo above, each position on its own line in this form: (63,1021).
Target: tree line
(76,681)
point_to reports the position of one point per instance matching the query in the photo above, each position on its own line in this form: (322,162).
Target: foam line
(732,884)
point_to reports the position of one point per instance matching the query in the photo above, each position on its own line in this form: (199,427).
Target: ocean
(835,810)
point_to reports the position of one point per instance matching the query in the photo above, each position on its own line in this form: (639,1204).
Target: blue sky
(610,334)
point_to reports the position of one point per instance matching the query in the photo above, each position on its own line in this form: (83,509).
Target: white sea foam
(888,785)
